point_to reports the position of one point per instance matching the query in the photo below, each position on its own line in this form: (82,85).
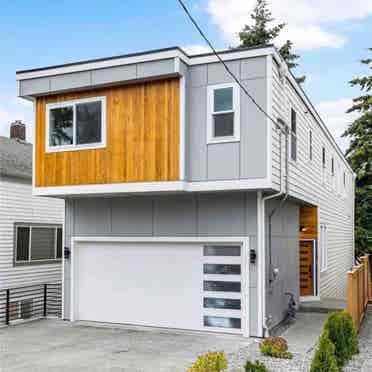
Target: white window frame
(211,113)
(29,260)
(74,146)
(323,245)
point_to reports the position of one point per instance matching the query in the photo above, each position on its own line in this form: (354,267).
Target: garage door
(173,285)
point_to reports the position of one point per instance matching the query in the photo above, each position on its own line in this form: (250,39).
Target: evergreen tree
(359,155)
(324,358)
(260,33)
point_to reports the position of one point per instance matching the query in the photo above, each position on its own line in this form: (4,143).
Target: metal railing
(30,302)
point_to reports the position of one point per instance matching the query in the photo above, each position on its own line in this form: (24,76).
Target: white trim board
(153,187)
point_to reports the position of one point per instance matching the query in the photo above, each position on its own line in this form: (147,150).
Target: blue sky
(331,39)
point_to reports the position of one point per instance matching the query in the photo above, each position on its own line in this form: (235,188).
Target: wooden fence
(359,290)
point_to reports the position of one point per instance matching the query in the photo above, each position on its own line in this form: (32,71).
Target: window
(323,247)
(222,269)
(221,303)
(74,125)
(310,145)
(223,113)
(37,243)
(293,135)
(219,286)
(217,250)
(222,322)
(333,166)
(323,157)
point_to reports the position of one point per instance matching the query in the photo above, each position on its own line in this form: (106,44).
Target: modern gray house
(30,226)
(187,205)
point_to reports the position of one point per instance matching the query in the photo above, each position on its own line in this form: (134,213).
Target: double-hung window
(36,243)
(293,135)
(323,247)
(223,113)
(75,125)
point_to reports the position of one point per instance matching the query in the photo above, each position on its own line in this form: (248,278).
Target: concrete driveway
(54,345)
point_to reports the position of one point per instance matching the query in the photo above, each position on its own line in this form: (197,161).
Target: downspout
(272,213)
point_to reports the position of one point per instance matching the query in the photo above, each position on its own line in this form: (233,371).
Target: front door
(307,268)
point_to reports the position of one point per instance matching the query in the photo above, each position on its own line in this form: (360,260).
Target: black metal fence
(30,302)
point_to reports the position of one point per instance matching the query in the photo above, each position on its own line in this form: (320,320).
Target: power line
(224,64)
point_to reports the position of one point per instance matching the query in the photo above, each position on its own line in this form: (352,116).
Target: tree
(359,155)
(260,33)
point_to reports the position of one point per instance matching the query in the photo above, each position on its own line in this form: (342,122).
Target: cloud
(14,108)
(196,49)
(337,120)
(309,21)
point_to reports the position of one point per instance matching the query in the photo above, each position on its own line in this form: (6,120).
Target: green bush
(255,367)
(210,362)
(324,359)
(343,335)
(275,347)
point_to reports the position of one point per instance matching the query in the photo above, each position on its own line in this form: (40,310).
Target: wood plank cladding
(309,222)
(142,124)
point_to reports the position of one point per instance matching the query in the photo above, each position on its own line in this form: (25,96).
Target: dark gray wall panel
(198,76)
(70,81)
(222,214)
(131,216)
(92,216)
(197,151)
(175,215)
(285,257)
(253,68)
(34,86)
(156,68)
(253,132)
(114,74)
(223,161)
(217,73)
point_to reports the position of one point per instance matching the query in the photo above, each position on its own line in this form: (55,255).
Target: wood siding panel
(143,136)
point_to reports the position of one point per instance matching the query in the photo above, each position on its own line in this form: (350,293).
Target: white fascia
(152,187)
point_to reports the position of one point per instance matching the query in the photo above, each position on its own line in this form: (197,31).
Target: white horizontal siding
(18,205)
(308,183)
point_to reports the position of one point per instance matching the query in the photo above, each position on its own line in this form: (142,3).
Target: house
(187,206)
(30,226)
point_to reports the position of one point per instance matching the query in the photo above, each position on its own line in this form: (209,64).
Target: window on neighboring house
(37,243)
(323,241)
(333,166)
(293,135)
(76,124)
(323,157)
(310,144)
(223,113)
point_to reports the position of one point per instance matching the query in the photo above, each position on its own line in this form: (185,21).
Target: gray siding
(285,257)
(227,161)
(309,182)
(222,214)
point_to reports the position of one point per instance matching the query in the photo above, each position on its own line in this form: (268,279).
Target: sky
(331,36)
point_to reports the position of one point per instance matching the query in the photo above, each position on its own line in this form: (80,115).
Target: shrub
(324,359)
(342,334)
(255,367)
(210,362)
(275,347)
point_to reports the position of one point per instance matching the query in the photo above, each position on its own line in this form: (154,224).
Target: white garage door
(175,285)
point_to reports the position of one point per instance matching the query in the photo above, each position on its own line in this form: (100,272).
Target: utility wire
(182,4)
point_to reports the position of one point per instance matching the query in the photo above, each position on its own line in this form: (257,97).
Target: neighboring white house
(30,227)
